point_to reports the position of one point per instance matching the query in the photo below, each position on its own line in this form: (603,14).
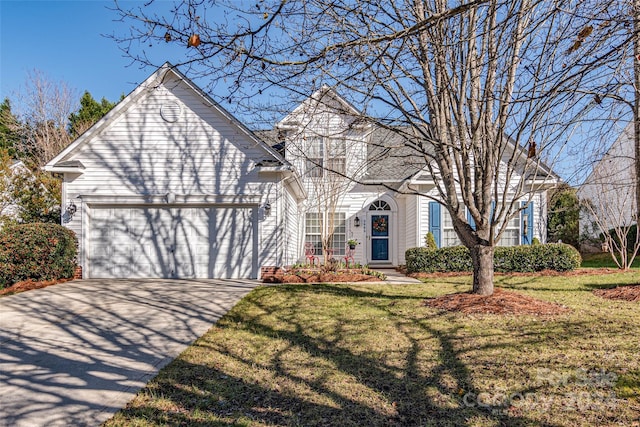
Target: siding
(610,188)
(412,234)
(201,153)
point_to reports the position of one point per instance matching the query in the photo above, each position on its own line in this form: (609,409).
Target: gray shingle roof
(389,157)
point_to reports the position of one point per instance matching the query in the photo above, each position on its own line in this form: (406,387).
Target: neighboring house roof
(18,164)
(622,154)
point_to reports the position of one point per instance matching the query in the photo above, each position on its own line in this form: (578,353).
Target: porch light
(267,208)
(71,209)
(356,222)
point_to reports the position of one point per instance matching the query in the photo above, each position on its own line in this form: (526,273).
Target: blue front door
(380,237)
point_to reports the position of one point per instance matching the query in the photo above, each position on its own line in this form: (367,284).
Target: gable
(167,137)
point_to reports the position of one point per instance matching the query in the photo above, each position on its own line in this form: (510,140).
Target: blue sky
(64,40)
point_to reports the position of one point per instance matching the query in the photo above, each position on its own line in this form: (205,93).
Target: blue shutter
(434,222)
(526,224)
(472,223)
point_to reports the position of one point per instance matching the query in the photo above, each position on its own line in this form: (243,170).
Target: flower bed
(320,275)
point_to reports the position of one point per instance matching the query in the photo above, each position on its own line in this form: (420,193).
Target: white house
(382,209)
(610,188)
(169,184)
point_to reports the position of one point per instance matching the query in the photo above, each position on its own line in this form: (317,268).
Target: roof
(390,157)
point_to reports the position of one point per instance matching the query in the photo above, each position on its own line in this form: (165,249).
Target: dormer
(325,133)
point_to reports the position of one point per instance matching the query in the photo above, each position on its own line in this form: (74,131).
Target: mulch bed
(327,278)
(501,302)
(625,293)
(28,285)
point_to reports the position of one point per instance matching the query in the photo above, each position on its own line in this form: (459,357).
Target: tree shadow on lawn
(428,388)
(533,283)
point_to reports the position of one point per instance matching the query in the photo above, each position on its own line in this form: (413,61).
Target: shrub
(451,258)
(525,258)
(430,241)
(36,251)
(631,237)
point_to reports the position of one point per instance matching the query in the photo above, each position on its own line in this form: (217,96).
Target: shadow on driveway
(75,353)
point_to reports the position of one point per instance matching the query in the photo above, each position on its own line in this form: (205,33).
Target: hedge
(36,251)
(525,258)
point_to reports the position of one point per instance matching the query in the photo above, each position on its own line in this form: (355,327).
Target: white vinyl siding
(203,153)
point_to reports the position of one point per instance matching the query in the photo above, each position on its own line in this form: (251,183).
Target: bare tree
(609,202)
(43,108)
(324,155)
(479,91)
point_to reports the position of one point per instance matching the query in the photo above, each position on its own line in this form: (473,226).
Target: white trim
(172,199)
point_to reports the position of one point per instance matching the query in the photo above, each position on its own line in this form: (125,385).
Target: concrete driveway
(74,353)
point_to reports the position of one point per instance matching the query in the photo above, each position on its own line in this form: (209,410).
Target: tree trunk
(482,260)
(636,104)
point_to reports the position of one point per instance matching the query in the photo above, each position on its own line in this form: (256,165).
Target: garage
(172,242)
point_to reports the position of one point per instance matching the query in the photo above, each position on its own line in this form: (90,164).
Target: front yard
(375,355)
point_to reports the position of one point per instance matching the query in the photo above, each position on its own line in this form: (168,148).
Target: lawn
(604,260)
(374,355)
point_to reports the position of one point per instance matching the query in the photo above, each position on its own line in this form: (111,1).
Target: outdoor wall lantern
(356,222)
(71,209)
(267,208)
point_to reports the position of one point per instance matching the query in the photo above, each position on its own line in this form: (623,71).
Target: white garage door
(211,242)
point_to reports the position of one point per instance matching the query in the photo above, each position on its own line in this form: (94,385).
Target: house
(169,184)
(610,189)
(392,204)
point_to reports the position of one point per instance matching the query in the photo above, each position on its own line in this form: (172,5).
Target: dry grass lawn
(375,355)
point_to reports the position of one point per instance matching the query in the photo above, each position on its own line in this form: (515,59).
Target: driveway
(74,353)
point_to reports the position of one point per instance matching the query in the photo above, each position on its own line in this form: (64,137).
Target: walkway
(396,278)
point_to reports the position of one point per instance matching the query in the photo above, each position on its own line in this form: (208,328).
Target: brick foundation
(271,274)
(77,274)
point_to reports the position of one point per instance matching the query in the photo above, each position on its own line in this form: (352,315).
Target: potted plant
(352,243)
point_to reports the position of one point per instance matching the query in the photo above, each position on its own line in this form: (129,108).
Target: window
(329,153)
(314,226)
(313,230)
(449,236)
(379,205)
(338,240)
(315,157)
(511,235)
(337,155)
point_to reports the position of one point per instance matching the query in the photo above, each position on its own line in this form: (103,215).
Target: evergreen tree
(90,112)
(9,128)
(563,216)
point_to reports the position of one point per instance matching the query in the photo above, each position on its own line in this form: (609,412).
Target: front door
(379,237)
